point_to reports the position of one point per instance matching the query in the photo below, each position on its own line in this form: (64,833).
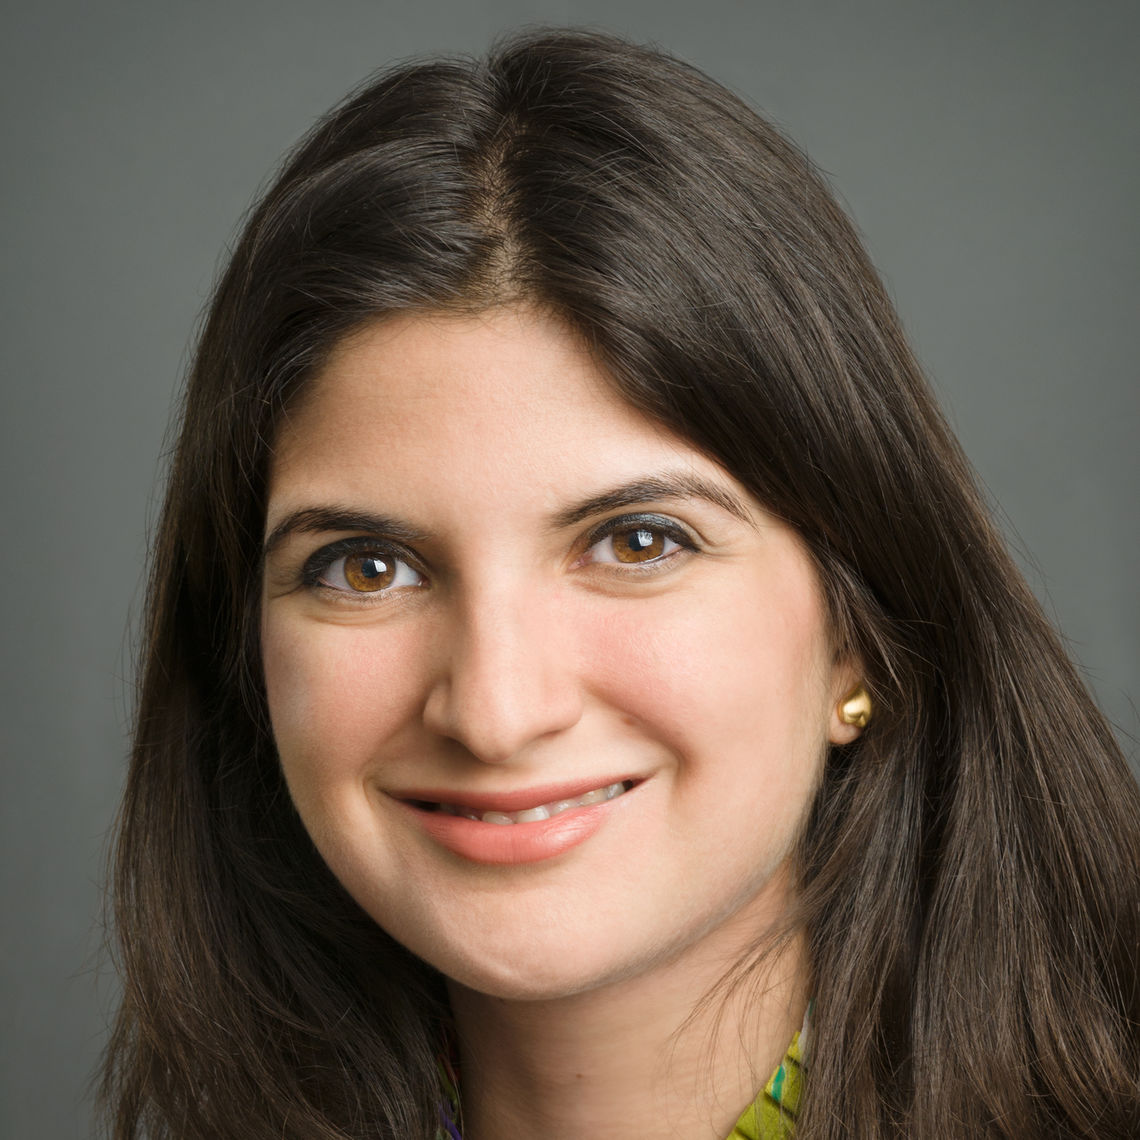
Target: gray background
(988,151)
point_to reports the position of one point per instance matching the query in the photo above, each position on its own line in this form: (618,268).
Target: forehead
(504,404)
(495,362)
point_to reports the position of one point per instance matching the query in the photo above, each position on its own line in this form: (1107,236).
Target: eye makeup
(644,546)
(365,568)
(360,570)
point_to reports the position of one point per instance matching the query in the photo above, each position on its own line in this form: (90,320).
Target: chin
(542,976)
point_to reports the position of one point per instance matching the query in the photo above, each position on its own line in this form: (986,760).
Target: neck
(663,1053)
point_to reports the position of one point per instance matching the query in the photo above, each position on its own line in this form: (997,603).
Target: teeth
(497,817)
(597,796)
(543,811)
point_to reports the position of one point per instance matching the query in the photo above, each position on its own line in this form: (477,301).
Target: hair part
(968,869)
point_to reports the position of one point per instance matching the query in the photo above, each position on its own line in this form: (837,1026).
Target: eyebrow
(318,520)
(668,485)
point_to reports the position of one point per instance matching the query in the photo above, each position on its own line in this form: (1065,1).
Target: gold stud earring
(855,708)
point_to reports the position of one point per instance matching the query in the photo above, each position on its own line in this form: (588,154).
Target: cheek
(728,679)
(334,692)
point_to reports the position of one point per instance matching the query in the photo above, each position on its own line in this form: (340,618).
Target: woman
(578,656)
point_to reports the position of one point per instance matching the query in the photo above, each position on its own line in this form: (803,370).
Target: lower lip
(513,843)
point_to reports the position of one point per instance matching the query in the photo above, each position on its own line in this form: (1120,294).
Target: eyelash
(317,566)
(628,524)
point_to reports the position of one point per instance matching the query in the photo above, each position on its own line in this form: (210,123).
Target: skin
(513,650)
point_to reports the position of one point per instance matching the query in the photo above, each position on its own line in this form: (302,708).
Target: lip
(516,843)
(518,800)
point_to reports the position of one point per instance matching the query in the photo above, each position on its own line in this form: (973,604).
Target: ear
(845,679)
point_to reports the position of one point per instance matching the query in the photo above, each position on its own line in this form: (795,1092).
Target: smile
(527,826)
(542,811)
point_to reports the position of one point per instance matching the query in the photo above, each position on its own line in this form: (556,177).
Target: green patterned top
(772,1116)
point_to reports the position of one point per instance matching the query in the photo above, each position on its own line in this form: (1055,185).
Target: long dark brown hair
(969,869)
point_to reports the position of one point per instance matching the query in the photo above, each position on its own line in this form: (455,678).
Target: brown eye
(642,544)
(639,543)
(367,573)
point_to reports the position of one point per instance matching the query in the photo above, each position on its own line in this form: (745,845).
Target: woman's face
(493,588)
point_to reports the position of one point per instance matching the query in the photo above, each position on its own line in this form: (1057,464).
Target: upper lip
(518,800)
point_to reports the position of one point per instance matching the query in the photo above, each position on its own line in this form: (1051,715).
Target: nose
(507,677)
